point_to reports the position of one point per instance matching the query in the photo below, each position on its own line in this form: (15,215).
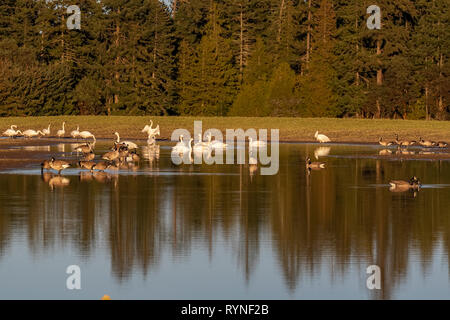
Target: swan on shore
(32,133)
(62,132)
(321,137)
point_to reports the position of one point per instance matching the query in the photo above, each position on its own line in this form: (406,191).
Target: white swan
(87,135)
(201,146)
(128,144)
(182,148)
(75,133)
(216,144)
(256,143)
(61,132)
(32,133)
(46,131)
(11,132)
(321,137)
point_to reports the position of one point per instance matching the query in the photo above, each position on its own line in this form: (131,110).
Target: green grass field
(291,129)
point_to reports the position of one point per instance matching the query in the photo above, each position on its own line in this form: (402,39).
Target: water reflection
(327,222)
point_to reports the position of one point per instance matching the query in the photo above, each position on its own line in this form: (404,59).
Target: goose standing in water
(32,133)
(256,143)
(112,155)
(385,143)
(426,143)
(45,165)
(102,166)
(442,144)
(46,131)
(62,132)
(133,157)
(85,148)
(401,185)
(89,156)
(314,165)
(89,165)
(59,165)
(128,144)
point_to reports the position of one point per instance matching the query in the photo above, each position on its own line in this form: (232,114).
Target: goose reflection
(58,181)
(86,176)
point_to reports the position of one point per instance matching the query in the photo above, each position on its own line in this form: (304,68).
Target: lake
(161,231)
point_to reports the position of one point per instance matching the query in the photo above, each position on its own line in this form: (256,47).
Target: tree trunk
(379,78)
(308,35)
(117,43)
(241,52)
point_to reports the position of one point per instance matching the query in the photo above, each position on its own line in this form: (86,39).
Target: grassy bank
(291,129)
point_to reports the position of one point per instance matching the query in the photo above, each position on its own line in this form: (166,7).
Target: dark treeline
(226,57)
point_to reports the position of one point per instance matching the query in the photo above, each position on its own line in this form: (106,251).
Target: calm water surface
(160,231)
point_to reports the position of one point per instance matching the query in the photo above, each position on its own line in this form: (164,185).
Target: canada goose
(256,143)
(404,143)
(32,133)
(46,131)
(384,143)
(112,155)
(407,143)
(314,165)
(59,165)
(89,156)
(85,148)
(87,135)
(128,144)
(62,132)
(400,185)
(75,133)
(321,137)
(45,165)
(102,165)
(133,157)
(425,143)
(123,153)
(87,164)
(442,144)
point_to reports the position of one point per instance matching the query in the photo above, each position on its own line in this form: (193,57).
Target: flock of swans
(123,152)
